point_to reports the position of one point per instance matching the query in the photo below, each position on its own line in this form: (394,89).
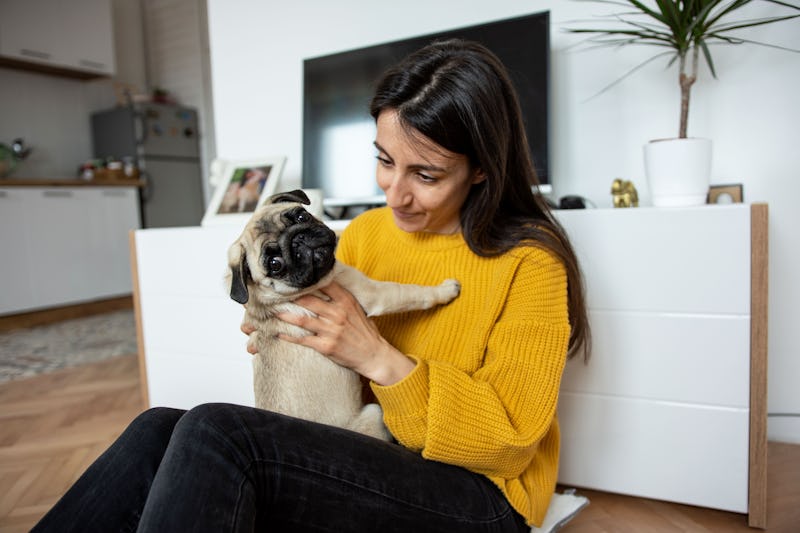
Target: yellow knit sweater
(484,390)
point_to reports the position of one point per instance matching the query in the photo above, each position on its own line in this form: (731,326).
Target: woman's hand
(342,332)
(249,329)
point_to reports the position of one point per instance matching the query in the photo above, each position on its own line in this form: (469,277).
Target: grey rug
(28,352)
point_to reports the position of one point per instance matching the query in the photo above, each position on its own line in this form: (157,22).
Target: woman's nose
(395,189)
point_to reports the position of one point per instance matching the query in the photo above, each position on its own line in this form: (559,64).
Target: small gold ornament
(624,194)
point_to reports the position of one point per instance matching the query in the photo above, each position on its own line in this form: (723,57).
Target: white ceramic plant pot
(678,171)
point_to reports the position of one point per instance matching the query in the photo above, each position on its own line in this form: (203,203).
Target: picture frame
(726,194)
(244,185)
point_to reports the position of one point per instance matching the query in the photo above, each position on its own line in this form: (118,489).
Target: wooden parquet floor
(53,426)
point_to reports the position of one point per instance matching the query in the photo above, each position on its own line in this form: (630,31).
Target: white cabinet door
(114,213)
(59,262)
(16,284)
(77,35)
(89,45)
(28,30)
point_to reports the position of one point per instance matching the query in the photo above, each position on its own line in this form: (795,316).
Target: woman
(469,390)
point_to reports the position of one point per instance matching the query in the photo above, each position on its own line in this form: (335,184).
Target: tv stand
(347,208)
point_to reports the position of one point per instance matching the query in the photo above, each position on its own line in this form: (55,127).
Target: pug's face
(283,249)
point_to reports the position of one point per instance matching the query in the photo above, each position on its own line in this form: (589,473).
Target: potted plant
(678,170)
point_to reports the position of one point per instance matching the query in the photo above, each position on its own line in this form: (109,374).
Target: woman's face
(425,185)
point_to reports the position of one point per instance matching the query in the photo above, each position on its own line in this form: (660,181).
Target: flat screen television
(338,131)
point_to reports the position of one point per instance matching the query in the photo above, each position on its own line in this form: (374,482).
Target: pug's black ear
(292,196)
(240,276)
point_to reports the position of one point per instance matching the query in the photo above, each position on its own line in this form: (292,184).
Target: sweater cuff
(408,396)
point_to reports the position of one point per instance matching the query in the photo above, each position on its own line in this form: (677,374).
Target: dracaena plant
(687,28)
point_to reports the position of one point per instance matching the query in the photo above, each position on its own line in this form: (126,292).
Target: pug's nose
(310,247)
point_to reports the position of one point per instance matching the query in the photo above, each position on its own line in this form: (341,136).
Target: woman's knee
(219,418)
(155,422)
(246,427)
(149,433)
(217,432)
(157,419)
(218,414)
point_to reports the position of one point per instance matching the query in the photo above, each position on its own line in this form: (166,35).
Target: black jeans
(223,468)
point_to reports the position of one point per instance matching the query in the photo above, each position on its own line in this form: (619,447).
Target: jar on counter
(129,168)
(115,171)
(86,171)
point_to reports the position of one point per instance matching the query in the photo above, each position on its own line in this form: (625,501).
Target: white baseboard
(784,429)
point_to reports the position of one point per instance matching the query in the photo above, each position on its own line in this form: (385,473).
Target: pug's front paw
(451,288)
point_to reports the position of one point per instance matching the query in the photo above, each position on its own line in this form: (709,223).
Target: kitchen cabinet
(67,37)
(58,260)
(109,249)
(89,42)
(16,283)
(64,245)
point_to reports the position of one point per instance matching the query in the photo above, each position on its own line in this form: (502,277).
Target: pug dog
(282,254)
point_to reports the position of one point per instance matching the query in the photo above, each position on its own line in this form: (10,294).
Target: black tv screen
(338,131)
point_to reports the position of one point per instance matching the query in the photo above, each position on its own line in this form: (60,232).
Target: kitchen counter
(51,182)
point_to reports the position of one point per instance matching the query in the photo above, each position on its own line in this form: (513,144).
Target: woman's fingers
(252,344)
(250,330)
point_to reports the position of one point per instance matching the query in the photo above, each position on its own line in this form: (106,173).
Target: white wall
(51,114)
(177,60)
(751,113)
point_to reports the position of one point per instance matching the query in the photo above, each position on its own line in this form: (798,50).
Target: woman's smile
(405,215)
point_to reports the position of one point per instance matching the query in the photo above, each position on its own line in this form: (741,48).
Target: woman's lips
(403,215)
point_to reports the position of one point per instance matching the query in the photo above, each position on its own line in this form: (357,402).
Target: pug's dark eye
(299,216)
(275,265)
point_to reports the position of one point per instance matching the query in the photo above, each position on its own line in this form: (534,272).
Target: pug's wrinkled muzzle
(311,252)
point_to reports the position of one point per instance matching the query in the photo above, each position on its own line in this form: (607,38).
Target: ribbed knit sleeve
(484,391)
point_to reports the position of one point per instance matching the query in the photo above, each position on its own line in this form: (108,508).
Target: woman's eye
(383,161)
(427,179)
(275,264)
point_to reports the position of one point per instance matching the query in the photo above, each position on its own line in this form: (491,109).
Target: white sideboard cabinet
(65,245)
(672,404)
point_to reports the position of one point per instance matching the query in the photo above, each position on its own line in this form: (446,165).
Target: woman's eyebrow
(379,147)
(418,166)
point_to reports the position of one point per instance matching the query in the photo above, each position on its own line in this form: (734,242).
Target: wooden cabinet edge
(137,311)
(759,300)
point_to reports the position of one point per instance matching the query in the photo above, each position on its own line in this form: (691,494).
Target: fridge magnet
(243,187)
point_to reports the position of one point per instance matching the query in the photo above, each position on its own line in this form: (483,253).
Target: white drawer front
(702,359)
(675,452)
(649,259)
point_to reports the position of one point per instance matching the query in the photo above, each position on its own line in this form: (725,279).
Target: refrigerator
(163,140)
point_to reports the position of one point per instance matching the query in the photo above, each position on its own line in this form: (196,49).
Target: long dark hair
(458,94)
